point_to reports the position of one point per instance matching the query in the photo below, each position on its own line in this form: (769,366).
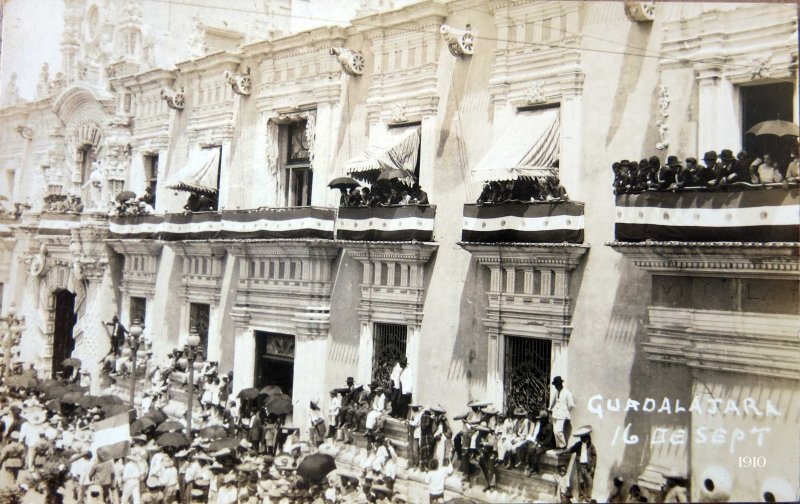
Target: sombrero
(438,408)
(582,431)
(478,404)
(674,473)
(285,462)
(490,410)
(520,412)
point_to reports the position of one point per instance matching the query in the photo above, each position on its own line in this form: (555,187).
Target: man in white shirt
(436,479)
(415,433)
(402,388)
(131,479)
(79,470)
(560,407)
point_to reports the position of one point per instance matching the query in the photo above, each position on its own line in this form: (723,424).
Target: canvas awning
(398,149)
(199,174)
(526,147)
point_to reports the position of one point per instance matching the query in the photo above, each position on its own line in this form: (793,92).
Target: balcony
(540,222)
(274,223)
(758,215)
(389,223)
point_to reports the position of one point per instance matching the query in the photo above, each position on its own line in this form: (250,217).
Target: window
(298,176)
(151,176)
(274,360)
(138,309)
(198,318)
(526,379)
(389,344)
(767,102)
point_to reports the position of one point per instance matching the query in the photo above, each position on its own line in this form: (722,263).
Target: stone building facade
(286,296)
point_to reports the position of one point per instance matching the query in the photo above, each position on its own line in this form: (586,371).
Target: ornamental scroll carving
(352,61)
(663,106)
(640,12)
(25,132)
(240,83)
(460,42)
(534,93)
(175,99)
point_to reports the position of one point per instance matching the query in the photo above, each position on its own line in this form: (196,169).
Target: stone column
(312,328)
(244,355)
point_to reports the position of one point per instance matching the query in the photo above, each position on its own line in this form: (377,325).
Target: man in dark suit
(545,440)
(118,333)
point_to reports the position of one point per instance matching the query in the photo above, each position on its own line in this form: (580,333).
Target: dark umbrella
(23,382)
(71,362)
(316,466)
(213,432)
(270,390)
(172,440)
(73,397)
(55,392)
(279,404)
(107,400)
(170,426)
(775,127)
(343,182)
(248,393)
(222,444)
(53,405)
(48,384)
(157,416)
(141,425)
(115,409)
(124,196)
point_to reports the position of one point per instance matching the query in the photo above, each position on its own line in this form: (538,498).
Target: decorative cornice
(714,258)
(130,247)
(565,255)
(405,252)
(459,42)
(352,61)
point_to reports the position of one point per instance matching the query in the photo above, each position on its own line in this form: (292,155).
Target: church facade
(680,347)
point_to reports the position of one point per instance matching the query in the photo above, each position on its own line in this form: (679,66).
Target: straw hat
(229,478)
(582,431)
(490,410)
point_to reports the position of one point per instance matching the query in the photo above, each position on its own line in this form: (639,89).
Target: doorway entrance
(274,360)
(527,373)
(65,318)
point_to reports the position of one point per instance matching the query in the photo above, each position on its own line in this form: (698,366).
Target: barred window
(389,344)
(527,373)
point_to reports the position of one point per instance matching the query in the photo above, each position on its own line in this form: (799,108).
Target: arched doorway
(64,320)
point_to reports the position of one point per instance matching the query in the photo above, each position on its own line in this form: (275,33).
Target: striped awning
(398,149)
(199,174)
(527,147)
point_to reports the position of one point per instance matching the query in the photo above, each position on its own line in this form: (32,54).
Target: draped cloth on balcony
(200,174)
(526,147)
(398,149)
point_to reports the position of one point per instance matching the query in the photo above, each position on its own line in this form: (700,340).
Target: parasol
(23,381)
(157,416)
(223,444)
(343,183)
(392,173)
(73,397)
(775,127)
(141,425)
(270,390)
(53,405)
(106,400)
(55,392)
(315,467)
(172,440)
(248,393)
(279,404)
(115,409)
(213,432)
(124,196)
(170,426)
(71,362)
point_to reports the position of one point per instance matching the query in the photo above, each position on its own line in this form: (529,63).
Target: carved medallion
(459,42)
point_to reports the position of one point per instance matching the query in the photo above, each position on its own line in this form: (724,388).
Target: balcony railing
(389,223)
(301,222)
(558,222)
(759,215)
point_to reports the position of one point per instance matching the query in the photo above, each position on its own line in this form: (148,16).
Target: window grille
(389,344)
(138,309)
(526,379)
(198,318)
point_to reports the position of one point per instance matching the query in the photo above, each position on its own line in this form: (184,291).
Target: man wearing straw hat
(586,460)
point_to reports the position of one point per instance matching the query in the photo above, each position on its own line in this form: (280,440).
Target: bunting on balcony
(200,174)
(527,147)
(560,222)
(392,223)
(305,222)
(759,215)
(398,150)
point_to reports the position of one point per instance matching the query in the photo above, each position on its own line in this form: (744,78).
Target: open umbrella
(343,182)
(71,362)
(392,173)
(115,409)
(279,404)
(170,426)
(270,390)
(157,416)
(172,440)
(141,425)
(222,444)
(213,432)
(23,382)
(55,392)
(73,397)
(315,467)
(107,400)
(53,405)
(248,393)
(775,127)
(124,196)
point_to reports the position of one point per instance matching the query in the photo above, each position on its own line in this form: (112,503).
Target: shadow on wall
(630,71)
(469,353)
(345,299)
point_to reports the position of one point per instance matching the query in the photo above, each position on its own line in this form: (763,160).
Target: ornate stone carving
(352,61)
(640,12)
(240,83)
(43,86)
(11,95)
(663,106)
(175,99)
(534,93)
(399,113)
(460,42)
(759,68)
(38,262)
(25,132)
(197,41)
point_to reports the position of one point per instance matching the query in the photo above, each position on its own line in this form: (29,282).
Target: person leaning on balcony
(418,196)
(560,407)
(793,169)
(714,168)
(767,172)
(728,169)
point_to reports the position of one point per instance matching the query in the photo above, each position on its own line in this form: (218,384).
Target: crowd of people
(129,204)
(384,193)
(523,190)
(715,172)
(63,203)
